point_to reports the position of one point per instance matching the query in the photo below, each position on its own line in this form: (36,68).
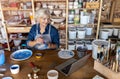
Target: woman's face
(44,21)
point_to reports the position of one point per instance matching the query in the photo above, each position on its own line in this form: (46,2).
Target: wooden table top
(48,61)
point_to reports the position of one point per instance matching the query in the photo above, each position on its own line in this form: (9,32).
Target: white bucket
(95,45)
(119,34)
(84,19)
(115,32)
(71,45)
(110,32)
(81,34)
(72,34)
(89,31)
(104,34)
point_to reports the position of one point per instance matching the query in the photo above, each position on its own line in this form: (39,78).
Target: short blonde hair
(42,12)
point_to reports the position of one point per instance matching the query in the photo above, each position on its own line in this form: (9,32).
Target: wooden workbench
(48,61)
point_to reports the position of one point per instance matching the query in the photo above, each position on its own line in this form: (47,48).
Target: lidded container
(81,33)
(71,45)
(72,33)
(79,43)
(2,57)
(104,34)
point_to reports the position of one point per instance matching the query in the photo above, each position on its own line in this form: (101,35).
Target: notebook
(72,65)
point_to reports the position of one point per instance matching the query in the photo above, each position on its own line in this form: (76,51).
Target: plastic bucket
(95,45)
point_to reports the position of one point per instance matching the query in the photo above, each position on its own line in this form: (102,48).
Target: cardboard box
(92,5)
(108,73)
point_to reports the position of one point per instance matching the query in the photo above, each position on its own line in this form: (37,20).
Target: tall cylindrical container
(2,57)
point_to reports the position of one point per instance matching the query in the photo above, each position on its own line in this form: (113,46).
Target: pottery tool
(98,53)
(113,66)
(109,45)
(35,69)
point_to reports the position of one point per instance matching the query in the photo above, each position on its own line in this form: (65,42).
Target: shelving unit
(16,18)
(116,13)
(75,9)
(3,31)
(20,12)
(23,13)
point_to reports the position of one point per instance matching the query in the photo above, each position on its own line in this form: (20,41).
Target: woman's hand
(39,41)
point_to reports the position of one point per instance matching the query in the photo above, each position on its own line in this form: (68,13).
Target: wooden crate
(116,20)
(106,71)
(92,5)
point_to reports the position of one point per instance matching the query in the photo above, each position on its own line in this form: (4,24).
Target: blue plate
(21,54)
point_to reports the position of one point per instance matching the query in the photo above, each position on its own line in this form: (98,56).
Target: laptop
(72,65)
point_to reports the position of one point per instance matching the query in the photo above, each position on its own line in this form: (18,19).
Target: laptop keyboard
(66,69)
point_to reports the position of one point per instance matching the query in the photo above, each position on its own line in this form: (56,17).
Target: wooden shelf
(8,9)
(80,24)
(51,0)
(79,9)
(87,37)
(19,38)
(18,29)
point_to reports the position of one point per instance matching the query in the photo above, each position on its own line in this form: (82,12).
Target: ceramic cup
(15,69)
(52,74)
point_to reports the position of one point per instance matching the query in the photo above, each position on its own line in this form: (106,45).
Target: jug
(2,57)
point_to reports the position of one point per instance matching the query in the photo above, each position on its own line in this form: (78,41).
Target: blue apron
(46,38)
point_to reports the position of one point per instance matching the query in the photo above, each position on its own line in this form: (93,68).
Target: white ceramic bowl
(58,19)
(17,42)
(57,12)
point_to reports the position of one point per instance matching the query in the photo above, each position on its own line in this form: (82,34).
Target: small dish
(38,55)
(66,54)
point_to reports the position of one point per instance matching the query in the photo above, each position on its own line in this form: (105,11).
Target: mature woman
(43,35)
